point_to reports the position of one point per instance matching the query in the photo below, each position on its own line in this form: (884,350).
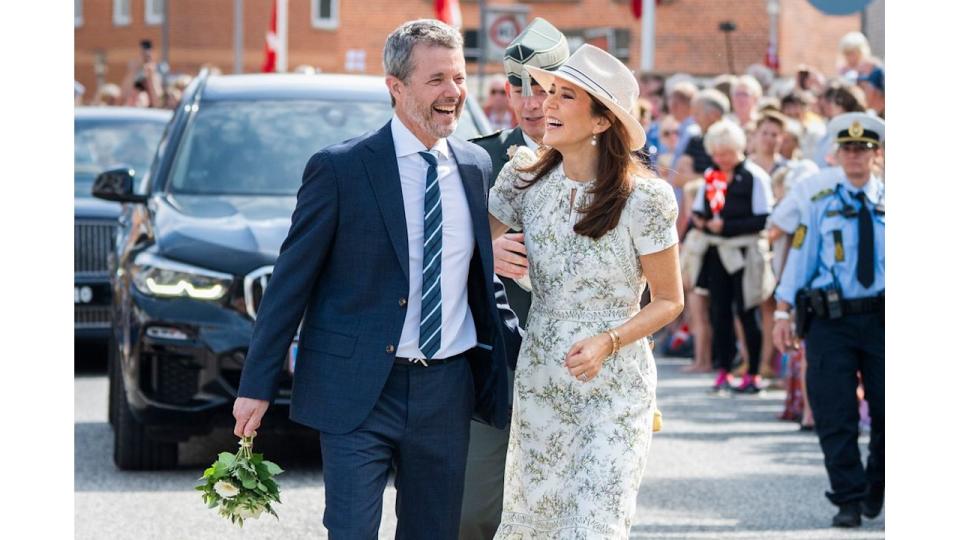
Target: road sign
(503,23)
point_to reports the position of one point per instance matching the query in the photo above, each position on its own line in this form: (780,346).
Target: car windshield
(104,144)
(261,147)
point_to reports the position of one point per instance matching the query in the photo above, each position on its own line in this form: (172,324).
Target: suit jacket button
(391,348)
(403,302)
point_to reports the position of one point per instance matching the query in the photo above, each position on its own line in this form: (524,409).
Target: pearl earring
(594,140)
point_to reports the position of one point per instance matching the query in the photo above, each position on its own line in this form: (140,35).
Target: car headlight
(161,277)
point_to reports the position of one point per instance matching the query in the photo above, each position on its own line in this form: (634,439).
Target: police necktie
(865,243)
(430,299)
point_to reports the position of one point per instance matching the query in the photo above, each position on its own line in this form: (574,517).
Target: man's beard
(423,115)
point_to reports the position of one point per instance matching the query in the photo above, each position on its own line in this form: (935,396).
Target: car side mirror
(117,185)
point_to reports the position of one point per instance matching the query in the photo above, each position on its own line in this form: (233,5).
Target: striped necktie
(430,299)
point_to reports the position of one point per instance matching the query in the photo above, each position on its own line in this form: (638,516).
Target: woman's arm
(496,227)
(662,270)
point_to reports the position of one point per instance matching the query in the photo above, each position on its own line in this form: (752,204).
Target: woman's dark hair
(615,165)
(848,97)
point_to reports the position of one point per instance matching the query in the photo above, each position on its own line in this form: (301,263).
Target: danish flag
(448,11)
(272,44)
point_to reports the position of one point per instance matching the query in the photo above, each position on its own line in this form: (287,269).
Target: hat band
(586,81)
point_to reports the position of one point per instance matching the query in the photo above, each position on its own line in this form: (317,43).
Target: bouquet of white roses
(241,485)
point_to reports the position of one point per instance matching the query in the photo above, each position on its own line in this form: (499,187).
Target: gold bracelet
(615,340)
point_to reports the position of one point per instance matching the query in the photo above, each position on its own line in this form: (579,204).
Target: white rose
(247,513)
(226,489)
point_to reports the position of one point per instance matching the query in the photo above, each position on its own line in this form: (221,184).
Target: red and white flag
(272,43)
(448,11)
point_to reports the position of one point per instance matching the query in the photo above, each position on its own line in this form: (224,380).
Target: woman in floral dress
(598,229)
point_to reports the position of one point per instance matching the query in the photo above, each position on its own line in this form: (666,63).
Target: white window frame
(149,17)
(318,22)
(77,13)
(119,19)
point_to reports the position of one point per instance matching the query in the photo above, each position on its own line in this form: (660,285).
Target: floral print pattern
(577,450)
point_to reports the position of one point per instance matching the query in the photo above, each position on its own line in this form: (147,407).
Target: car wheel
(111,381)
(132,449)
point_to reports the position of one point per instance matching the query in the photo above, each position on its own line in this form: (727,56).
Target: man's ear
(394,86)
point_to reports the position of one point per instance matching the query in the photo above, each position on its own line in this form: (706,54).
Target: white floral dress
(577,449)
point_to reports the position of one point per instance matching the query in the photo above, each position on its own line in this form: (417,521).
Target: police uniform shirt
(824,249)
(789,211)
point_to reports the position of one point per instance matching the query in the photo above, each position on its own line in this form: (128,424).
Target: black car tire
(111,366)
(133,450)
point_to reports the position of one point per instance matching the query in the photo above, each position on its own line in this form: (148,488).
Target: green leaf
(227,459)
(208,472)
(272,467)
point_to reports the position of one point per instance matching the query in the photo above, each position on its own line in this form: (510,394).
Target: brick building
(348,35)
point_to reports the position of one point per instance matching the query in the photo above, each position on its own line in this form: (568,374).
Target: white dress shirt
(458,332)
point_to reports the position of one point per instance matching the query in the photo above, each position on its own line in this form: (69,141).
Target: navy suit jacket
(343,269)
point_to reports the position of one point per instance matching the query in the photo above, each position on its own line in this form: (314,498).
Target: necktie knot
(429,158)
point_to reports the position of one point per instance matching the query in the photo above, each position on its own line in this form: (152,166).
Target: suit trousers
(836,351)
(420,426)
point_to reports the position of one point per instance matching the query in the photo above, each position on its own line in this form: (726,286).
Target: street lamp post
(728,27)
(238,36)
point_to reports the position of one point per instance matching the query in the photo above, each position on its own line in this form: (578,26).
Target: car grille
(92,242)
(253,287)
(91,316)
(172,378)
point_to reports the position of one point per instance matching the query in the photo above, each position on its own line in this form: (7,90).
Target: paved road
(724,468)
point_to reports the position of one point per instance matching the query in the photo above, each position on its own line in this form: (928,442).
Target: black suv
(103,138)
(199,235)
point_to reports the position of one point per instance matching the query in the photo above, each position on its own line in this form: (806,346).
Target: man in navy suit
(406,333)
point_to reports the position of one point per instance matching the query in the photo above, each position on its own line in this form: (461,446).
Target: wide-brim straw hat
(604,77)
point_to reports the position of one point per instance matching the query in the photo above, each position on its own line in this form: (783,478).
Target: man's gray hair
(399,46)
(714,99)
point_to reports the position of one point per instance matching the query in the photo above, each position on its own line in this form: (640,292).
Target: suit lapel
(384,176)
(476,191)
(515,138)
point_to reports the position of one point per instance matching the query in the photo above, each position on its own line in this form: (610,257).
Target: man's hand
(248,413)
(783,338)
(510,256)
(715,225)
(699,222)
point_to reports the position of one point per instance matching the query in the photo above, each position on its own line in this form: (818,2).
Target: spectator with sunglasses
(497,106)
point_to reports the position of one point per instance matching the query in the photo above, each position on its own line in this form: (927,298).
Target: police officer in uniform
(834,282)
(540,45)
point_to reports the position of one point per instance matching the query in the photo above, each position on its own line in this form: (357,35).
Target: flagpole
(238,36)
(482,43)
(281,36)
(648,35)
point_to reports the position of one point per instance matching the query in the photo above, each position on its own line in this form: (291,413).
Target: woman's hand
(715,225)
(587,355)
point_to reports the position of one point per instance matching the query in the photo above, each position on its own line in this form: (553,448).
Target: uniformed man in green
(540,45)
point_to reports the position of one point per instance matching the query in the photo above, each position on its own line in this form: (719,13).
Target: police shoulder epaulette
(821,194)
(493,135)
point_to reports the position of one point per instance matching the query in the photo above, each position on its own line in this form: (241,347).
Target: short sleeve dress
(577,449)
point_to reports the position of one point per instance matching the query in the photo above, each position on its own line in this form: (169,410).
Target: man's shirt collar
(406,143)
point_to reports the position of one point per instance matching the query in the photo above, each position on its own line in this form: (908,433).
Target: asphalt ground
(724,467)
